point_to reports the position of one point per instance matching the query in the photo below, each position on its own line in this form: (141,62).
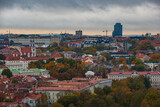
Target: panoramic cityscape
(79,53)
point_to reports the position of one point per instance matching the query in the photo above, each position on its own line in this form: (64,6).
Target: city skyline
(93,17)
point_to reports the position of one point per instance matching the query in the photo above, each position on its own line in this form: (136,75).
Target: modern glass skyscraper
(118,28)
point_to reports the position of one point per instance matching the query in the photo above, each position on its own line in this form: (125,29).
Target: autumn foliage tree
(146,45)
(131,92)
(122,60)
(66,69)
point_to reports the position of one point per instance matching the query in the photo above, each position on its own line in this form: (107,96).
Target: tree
(155,58)
(14,80)
(1,63)
(2,97)
(108,56)
(104,72)
(124,67)
(131,59)
(147,82)
(37,64)
(7,72)
(122,60)
(99,91)
(49,60)
(138,61)
(137,98)
(151,96)
(71,105)
(2,57)
(56,105)
(107,90)
(50,66)
(69,99)
(145,46)
(43,99)
(55,44)
(140,67)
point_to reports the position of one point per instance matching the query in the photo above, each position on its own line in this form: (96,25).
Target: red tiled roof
(68,86)
(16,52)
(33,96)
(140,55)
(10,58)
(76,43)
(7,49)
(116,73)
(157,44)
(26,49)
(37,58)
(56,55)
(151,41)
(30,79)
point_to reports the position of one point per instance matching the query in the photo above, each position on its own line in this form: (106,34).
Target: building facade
(118,28)
(62,88)
(154,76)
(79,33)
(39,41)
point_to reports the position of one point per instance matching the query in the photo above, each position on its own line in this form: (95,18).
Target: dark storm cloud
(74,4)
(80,14)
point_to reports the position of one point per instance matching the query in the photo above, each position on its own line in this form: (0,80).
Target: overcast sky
(92,16)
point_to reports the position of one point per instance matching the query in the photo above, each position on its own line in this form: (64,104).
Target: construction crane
(106,31)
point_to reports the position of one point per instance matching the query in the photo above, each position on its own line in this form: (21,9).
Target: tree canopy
(7,72)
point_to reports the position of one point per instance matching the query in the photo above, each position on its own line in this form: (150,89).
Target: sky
(91,16)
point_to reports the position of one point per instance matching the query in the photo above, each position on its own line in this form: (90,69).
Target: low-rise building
(32,100)
(154,76)
(39,40)
(25,72)
(61,88)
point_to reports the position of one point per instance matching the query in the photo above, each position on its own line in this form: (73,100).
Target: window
(31,101)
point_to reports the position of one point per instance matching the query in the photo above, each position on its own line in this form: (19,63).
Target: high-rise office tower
(117,30)
(79,33)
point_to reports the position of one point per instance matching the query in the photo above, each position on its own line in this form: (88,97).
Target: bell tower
(33,48)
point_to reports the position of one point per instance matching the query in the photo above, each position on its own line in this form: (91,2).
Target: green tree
(2,57)
(147,82)
(14,80)
(131,59)
(49,60)
(7,72)
(107,90)
(69,99)
(140,67)
(138,61)
(99,91)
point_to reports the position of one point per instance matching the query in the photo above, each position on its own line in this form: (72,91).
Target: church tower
(33,48)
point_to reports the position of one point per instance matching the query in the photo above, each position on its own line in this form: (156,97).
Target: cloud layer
(93,15)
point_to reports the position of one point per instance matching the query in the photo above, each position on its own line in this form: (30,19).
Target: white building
(32,100)
(154,76)
(16,64)
(42,41)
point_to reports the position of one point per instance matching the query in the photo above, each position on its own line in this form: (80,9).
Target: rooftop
(19,71)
